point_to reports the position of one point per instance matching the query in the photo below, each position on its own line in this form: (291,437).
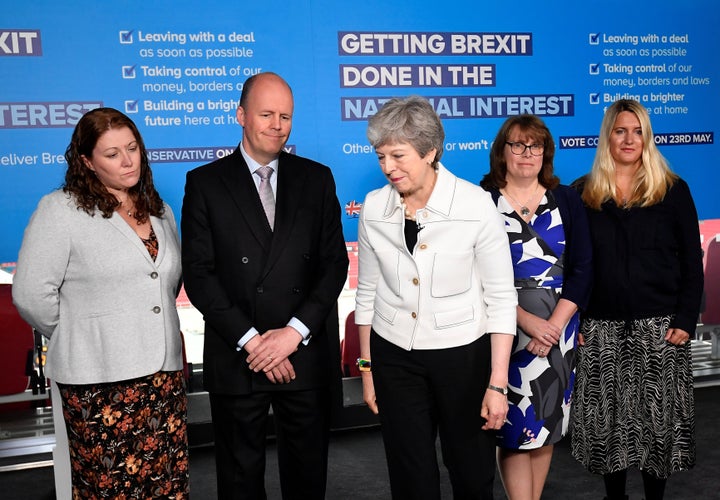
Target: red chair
(19,370)
(711,314)
(350,348)
(18,342)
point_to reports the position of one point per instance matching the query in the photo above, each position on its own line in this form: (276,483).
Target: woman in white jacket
(435,308)
(98,274)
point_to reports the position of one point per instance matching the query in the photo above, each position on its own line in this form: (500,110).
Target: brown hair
(533,128)
(90,194)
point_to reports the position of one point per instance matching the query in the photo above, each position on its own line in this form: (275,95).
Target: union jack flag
(352,208)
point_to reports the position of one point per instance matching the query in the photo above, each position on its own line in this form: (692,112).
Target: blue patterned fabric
(540,388)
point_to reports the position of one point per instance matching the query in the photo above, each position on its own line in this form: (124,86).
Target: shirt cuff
(246,338)
(303,330)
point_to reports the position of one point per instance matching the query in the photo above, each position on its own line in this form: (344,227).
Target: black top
(647,261)
(411,234)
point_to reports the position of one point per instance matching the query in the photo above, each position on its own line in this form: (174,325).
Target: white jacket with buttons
(458,283)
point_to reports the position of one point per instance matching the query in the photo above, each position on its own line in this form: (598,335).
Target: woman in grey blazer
(98,274)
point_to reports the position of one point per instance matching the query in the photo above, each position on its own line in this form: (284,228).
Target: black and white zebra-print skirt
(633,404)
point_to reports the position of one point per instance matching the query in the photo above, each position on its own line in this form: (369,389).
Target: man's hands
(269,353)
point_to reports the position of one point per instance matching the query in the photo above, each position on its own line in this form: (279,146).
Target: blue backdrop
(177,69)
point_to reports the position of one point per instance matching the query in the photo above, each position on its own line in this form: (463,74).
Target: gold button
(423,246)
(415,281)
(414,315)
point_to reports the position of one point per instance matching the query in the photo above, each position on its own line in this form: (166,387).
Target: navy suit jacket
(240,274)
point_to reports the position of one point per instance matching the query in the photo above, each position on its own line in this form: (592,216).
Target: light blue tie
(267,198)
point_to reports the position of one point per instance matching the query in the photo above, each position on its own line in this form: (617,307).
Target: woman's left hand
(494,410)
(677,336)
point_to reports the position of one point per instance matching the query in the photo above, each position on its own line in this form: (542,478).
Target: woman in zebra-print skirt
(633,404)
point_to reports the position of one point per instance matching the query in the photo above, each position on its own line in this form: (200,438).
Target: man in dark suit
(264,260)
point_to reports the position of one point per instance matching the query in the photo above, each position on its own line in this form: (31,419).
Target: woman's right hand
(544,334)
(369,391)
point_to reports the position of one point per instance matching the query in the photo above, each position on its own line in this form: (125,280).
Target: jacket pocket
(449,319)
(452,273)
(390,269)
(385,311)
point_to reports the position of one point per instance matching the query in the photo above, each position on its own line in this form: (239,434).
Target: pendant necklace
(524,210)
(129,212)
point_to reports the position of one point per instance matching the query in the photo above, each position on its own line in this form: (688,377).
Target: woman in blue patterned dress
(551,252)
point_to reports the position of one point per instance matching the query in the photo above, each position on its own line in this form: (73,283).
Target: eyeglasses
(518,148)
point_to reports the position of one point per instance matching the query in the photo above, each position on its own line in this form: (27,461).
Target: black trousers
(421,393)
(302,427)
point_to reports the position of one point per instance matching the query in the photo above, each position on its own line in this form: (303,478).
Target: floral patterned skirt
(128,439)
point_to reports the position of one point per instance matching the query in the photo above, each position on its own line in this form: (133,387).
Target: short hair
(652,180)
(411,120)
(89,193)
(534,130)
(250,83)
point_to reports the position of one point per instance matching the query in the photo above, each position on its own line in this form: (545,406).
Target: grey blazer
(90,286)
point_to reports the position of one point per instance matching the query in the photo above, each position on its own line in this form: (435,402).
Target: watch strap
(501,390)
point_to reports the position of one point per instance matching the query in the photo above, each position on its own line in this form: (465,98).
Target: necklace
(524,210)
(127,211)
(408,214)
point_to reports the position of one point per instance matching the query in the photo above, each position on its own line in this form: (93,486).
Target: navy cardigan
(648,260)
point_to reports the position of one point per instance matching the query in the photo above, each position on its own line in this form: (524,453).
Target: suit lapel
(290,188)
(243,192)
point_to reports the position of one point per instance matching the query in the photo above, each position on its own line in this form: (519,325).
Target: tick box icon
(128,72)
(126,37)
(131,107)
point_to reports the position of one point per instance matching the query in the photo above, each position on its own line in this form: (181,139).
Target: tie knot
(264,172)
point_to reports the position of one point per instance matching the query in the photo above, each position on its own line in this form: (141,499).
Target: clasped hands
(269,353)
(675,336)
(543,335)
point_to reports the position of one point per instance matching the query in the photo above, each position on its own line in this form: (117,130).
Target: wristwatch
(501,390)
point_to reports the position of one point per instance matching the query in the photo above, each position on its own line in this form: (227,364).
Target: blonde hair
(653,178)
